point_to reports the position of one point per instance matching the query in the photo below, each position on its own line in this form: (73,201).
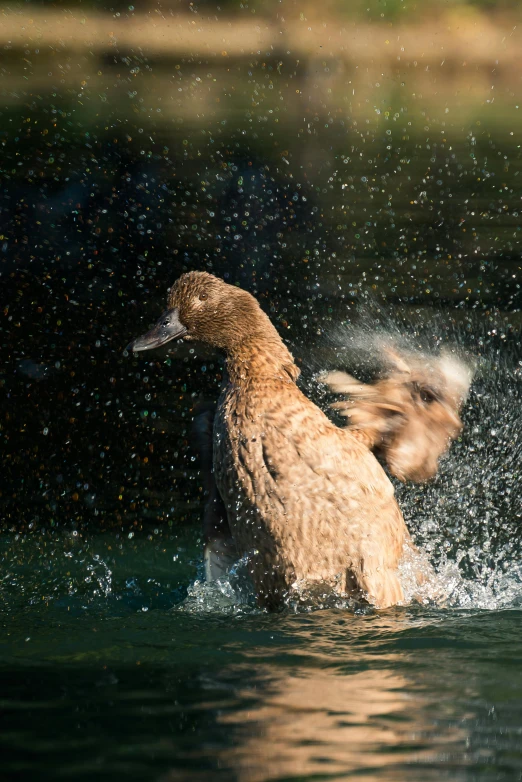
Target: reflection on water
(311,721)
(378,696)
(405,695)
(99,678)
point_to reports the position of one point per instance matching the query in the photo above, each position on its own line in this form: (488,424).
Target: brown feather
(411,415)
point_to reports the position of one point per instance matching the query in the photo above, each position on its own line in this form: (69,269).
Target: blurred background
(310,153)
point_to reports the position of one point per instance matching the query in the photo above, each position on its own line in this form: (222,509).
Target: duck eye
(203,296)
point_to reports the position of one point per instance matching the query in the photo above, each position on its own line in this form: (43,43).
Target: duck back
(306,502)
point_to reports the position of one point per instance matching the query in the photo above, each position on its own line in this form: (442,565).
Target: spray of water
(468,518)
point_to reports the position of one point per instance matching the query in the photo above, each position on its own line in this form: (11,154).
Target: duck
(307,502)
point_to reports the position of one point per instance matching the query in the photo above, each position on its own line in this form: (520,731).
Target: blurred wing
(411,415)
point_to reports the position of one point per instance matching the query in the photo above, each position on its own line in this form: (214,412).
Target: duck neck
(261,355)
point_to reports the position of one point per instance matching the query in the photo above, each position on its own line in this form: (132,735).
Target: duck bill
(167,328)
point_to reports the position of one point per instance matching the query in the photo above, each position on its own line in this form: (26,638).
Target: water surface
(107,690)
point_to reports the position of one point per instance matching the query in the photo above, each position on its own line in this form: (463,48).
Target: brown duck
(306,501)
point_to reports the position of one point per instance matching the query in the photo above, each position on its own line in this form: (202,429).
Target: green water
(110,671)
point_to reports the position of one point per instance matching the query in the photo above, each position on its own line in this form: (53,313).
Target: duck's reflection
(318,722)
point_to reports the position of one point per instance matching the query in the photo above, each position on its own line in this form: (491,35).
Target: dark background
(303,176)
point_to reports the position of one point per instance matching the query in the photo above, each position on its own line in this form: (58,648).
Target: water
(410,694)
(355,199)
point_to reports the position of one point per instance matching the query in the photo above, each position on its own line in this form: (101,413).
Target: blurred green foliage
(364,10)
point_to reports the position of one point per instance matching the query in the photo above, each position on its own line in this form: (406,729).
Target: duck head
(203,308)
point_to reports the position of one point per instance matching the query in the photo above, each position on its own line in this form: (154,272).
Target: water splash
(231,595)
(99,576)
(468,518)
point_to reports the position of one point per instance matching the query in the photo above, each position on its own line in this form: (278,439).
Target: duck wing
(322,498)
(361,515)
(219,548)
(411,415)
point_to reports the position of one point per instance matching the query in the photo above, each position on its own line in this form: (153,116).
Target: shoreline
(463,44)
